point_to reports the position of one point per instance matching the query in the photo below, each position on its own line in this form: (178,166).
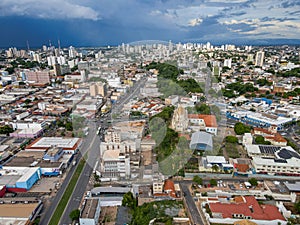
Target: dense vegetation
(129,201)
(163,211)
(263,82)
(260,140)
(168,83)
(240,128)
(290,73)
(236,89)
(253,181)
(197,180)
(165,137)
(74,215)
(231,139)
(6,129)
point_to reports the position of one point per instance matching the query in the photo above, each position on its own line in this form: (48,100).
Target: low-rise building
(21,213)
(69,145)
(244,207)
(115,164)
(203,122)
(90,213)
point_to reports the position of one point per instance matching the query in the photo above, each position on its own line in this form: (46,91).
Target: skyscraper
(259,59)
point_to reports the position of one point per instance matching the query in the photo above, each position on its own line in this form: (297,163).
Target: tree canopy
(74,215)
(129,200)
(240,128)
(197,180)
(231,139)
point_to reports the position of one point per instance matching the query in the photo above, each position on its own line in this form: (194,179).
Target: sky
(112,22)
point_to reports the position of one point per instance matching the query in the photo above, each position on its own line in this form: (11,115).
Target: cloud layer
(119,20)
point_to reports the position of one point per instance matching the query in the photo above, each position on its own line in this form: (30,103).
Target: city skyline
(100,23)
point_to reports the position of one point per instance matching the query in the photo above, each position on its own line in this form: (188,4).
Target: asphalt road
(91,145)
(46,216)
(191,203)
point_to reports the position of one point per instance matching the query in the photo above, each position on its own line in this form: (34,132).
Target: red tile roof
(277,137)
(241,167)
(169,187)
(243,205)
(209,120)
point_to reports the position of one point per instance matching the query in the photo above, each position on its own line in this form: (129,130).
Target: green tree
(6,129)
(253,181)
(231,139)
(74,215)
(213,182)
(69,126)
(197,180)
(240,128)
(215,168)
(260,140)
(27,101)
(297,206)
(129,200)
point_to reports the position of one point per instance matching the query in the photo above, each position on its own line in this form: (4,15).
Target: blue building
(30,177)
(53,154)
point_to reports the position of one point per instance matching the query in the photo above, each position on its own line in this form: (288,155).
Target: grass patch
(65,198)
(232,150)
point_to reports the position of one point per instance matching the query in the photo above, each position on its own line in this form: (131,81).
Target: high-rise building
(259,59)
(98,88)
(61,60)
(227,62)
(51,60)
(37,57)
(57,70)
(72,52)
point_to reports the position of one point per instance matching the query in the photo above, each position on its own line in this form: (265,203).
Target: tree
(253,181)
(27,101)
(297,207)
(6,129)
(213,182)
(129,200)
(69,126)
(231,139)
(215,168)
(240,128)
(74,215)
(260,140)
(197,180)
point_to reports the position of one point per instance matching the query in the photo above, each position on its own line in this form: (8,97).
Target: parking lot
(47,184)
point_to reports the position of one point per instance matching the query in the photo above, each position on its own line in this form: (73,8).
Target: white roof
(292,162)
(28,172)
(215,159)
(201,137)
(56,141)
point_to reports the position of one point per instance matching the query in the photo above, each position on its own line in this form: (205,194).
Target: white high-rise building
(259,59)
(61,60)
(37,57)
(227,62)
(51,60)
(72,52)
